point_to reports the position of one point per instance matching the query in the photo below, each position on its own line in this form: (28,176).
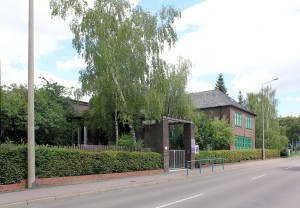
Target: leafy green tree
(291,127)
(175,99)
(223,135)
(54,115)
(220,84)
(274,136)
(125,74)
(214,131)
(14,113)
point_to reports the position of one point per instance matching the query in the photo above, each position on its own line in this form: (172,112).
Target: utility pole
(30,128)
(262,117)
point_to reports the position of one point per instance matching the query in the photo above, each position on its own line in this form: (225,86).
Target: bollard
(200,166)
(187,169)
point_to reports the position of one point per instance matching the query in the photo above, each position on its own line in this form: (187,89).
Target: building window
(238,119)
(248,122)
(243,143)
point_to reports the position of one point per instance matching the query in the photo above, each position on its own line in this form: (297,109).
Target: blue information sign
(193,144)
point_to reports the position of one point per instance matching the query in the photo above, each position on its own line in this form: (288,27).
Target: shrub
(55,162)
(129,141)
(284,153)
(231,156)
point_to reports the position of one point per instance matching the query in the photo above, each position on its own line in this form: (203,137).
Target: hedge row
(231,156)
(55,162)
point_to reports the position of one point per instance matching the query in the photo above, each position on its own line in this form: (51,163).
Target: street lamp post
(30,132)
(262,117)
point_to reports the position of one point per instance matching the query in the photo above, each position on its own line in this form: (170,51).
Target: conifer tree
(240,98)
(220,85)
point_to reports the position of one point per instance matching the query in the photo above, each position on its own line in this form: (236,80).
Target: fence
(95,148)
(176,159)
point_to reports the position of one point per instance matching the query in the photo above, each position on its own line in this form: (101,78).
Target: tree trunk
(124,101)
(117,127)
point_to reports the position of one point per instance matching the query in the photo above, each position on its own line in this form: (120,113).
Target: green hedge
(231,156)
(55,162)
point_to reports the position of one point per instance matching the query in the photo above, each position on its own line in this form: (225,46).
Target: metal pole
(223,163)
(200,166)
(30,132)
(174,159)
(262,117)
(187,169)
(85,139)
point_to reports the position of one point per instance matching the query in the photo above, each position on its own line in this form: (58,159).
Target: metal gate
(176,159)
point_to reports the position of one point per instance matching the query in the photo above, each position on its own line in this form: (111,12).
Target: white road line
(165,205)
(287,168)
(258,176)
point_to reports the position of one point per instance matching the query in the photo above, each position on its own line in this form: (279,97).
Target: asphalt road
(273,185)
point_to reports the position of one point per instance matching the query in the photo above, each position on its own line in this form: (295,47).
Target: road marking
(287,168)
(165,205)
(258,176)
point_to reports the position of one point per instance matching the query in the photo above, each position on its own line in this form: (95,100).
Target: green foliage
(178,142)
(220,84)
(275,137)
(240,98)
(13,166)
(291,127)
(284,152)
(231,156)
(54,114)
(55,162)
(216,132)
(122,47)
(13,113)
(129,141)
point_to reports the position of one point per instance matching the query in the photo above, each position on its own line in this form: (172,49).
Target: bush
(284,153)
(231,156)
(55,162)
(129,141)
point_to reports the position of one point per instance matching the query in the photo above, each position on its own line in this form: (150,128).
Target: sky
(249,41)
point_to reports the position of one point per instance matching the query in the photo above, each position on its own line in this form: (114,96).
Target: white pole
(30,132)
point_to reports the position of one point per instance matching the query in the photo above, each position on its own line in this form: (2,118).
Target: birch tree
(121,46)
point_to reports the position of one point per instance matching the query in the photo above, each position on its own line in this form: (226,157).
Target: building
(217,104)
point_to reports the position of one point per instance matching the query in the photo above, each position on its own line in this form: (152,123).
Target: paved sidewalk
(60,191)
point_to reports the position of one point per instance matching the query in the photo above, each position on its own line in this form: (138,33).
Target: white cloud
(297,99)
(74,63)
(257,40)
(14,30)
(14,39)
(196,86)
(134,2)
